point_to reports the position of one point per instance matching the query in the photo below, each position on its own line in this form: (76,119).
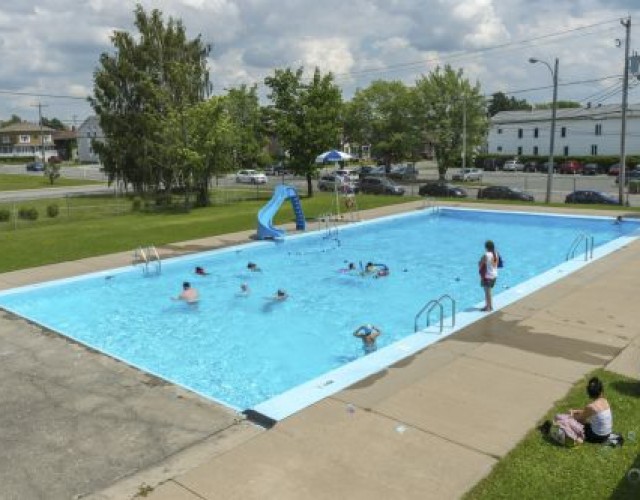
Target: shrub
(5,215)
(634,187)
(136,204)
(53,210)
(29,213)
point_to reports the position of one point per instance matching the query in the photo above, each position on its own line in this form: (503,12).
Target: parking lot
(532,182)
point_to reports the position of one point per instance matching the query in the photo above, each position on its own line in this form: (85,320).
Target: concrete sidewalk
(434,424)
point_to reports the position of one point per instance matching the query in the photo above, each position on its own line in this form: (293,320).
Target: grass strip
(538,469)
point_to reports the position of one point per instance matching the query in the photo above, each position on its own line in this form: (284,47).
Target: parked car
(380,185)
(503,193)
(632,175)
(330,182)
(350,173)
(54,159)
(467,174)
(251,177)
(545,167)
(570,167)
(406,172)
(588,196)
(35,166)
(491,164)
(513,166)
(276,169)
(532,166)
(593,169)
(439,188)
(614,169)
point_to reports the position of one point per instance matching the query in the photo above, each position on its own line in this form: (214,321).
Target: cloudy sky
(50,48)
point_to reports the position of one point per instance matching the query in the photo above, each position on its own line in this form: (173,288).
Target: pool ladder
(430,203)
(327,223)
(580,238)
(149,259)
(430,306)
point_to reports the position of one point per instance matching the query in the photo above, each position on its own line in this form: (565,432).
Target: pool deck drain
(429,426)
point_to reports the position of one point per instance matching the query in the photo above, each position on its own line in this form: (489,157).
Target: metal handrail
(588,246)
(146,255)
(430,306)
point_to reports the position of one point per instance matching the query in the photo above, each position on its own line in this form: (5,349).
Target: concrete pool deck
(430,426)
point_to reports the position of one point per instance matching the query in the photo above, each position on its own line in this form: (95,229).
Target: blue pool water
(245,350)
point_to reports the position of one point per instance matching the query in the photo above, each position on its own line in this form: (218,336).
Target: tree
(306,117)
(382,115)
(500,102)
(444,100)
(14,119)
(559,105)
(212,137)
(152,79)
(244,111)
(53,123)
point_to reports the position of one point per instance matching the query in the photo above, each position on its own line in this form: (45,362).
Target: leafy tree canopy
(306,116)
(500,102)
(451,109)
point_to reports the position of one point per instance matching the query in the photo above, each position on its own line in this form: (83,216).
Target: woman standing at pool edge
(488,268)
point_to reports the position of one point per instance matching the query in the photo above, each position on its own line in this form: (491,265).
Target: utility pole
(623,132)
(464,132)
(40,106)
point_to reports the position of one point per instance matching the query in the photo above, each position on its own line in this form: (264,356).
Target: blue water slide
(266,229)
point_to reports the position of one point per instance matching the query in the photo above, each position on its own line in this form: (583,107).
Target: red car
(614,169)
(571,167)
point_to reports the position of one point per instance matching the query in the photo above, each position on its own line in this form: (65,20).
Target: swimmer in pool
(189,294)
(253,267)
(368,334)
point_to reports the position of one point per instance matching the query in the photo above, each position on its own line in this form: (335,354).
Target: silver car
(467,174)
(332,182)
(513,166)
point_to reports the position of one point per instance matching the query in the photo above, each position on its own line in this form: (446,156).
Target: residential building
(593,131)
(89,132)
(66,143)
(27,140)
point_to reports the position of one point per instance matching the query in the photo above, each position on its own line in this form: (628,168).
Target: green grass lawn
(538,469)
(11,182)
(88,230)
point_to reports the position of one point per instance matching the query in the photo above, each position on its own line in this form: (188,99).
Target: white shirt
(491,272)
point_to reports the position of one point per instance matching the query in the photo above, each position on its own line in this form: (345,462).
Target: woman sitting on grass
(596,416)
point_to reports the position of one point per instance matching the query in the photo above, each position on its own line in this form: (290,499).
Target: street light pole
(552,140)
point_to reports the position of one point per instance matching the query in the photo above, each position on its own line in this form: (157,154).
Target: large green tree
(500,102)
(152,79)
(247,117)
(382,115)
(305,116)
(451,108)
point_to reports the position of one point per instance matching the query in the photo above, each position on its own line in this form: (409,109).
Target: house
(27,140)
(88,132)
(65,143)
(588,131)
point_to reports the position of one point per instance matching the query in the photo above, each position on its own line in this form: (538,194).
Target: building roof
(588,113)
(24,127)
(64,135)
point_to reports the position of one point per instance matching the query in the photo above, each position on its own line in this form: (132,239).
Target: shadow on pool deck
(430,426)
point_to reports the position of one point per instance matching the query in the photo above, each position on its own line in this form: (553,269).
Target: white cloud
(53,47)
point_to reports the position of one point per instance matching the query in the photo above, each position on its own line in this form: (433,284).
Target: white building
(88,132)
(586,131)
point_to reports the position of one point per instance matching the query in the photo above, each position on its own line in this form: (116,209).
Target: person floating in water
(280,295)
(488,269)
(253,267)
(244,290)
(200,271)
(618,220)
(368,334)
(351,268)
(376,270)
(189,294)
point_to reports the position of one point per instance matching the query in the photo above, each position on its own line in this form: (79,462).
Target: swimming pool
(251,352)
